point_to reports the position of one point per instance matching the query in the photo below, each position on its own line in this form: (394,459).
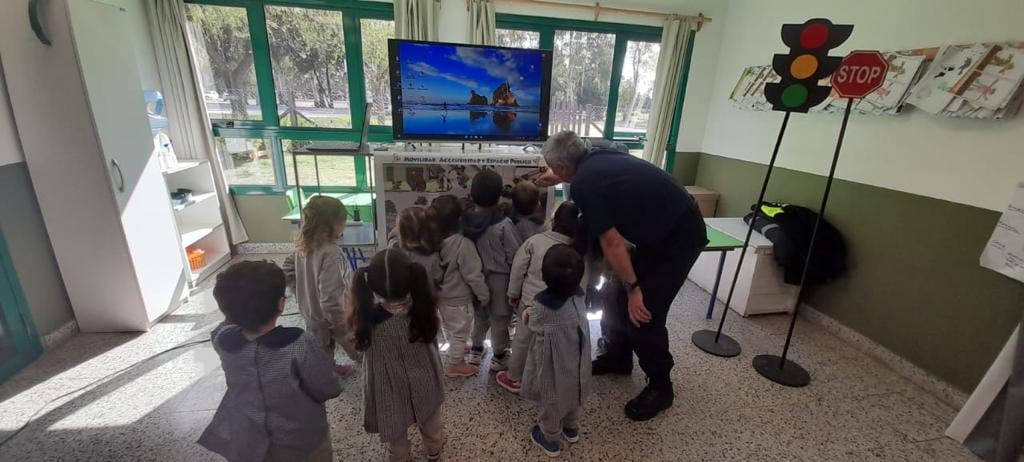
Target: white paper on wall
(1004,252)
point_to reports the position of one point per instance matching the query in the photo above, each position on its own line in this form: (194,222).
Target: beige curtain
(482,28)
(675,37)
(416,19)
(189,124)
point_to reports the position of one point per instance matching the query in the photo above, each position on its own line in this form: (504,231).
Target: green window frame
(624,33)
(269,127)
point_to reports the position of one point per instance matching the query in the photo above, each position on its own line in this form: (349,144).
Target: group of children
(452,273)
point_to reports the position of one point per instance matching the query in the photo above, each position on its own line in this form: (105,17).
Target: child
(319,274)
(526,200)
(462,281)
(277,377)
(394,321)
(419,240)
(496,241)
(557,374)
(526,282)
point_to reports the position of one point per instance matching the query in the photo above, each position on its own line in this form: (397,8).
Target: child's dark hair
(415,234)
(566,219)
(525,198)
(249,293)
(320,216)
(444,214)
(562,270)
(486,188)
(392,276)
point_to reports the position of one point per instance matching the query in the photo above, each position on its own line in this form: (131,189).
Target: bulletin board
(414,179)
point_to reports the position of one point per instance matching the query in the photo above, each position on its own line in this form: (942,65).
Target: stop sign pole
(860,73)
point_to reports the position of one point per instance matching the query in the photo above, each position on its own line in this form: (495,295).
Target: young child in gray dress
(525,282)
(394,322)
(557,375)
(526,202)
(277,377)
(319,275)
(420,241)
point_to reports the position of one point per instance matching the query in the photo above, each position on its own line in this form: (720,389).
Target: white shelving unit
(199,220)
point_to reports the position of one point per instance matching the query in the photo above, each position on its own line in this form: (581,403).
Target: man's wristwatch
(631,286)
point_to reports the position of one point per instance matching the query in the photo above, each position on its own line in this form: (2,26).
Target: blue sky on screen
(433,74)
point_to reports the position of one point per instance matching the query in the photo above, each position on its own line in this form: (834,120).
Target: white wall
(10,148)
(965,161)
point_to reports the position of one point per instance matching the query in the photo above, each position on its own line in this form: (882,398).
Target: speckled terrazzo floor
(855,409)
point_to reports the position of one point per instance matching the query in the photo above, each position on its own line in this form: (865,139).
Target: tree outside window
(220,38)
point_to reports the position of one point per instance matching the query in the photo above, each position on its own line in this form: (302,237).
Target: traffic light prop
(805,65)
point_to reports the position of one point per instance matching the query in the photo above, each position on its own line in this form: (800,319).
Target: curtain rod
(598,9)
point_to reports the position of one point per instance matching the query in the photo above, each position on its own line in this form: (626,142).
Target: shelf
(196,200)
(183,166)
(191,236)
(213,263)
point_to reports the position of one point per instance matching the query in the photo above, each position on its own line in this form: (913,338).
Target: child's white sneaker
(499,364)
(476,356)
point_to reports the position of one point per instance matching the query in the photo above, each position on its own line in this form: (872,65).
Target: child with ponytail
(319,275)
(394,322)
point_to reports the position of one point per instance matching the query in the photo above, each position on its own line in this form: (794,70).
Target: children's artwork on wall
(749,91)
(932,94)
(415,180)
(979,81)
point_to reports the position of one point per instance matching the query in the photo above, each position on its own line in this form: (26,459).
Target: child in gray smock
(277,377)
(557,375)
(394,318)
(525,283)
(497,241)
(414,235)
(529,218)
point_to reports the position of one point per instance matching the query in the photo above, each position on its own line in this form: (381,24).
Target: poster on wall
(1004,252)
(414,180)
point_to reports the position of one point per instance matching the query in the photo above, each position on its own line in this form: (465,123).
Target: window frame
(624,33)
(269,127)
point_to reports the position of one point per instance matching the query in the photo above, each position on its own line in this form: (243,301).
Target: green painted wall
(915,285)
(29,245)
(685,167)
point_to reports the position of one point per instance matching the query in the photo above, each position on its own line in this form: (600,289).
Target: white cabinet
(81,118)
(199,221)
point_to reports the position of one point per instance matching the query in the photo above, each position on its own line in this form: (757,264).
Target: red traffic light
(814,35)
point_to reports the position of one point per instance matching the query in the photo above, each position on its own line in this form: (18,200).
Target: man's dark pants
(661,271)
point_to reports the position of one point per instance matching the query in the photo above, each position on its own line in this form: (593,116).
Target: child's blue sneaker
(552,449)
(571,435)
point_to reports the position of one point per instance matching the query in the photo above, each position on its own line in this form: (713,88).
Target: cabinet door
(111,76)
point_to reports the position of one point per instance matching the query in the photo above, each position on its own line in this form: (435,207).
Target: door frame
(14,308)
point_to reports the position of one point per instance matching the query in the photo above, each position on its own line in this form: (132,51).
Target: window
(518,38)
(375,35)
(246,161)
(636,88)
(307,48)
(334,170)
(220,38)
(580,78)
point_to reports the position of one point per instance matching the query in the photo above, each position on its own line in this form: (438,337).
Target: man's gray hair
(564,147)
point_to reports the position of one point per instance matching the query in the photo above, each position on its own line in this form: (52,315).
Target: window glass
(220,39)
(376,33)
(579,81)
(246,161)
(518,38)
(334,170)
(307,48)
(636,89)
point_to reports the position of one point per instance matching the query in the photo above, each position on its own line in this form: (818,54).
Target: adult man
(624,199)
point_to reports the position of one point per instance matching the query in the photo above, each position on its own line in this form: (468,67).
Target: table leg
(718,279)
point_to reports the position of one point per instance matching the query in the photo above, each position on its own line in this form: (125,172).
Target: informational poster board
(413,179)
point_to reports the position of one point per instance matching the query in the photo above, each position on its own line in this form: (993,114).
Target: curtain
(416,19)
(481,22)
(188,122)
(675,38)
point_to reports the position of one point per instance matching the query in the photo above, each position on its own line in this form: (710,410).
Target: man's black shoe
(605,365)
(649,403)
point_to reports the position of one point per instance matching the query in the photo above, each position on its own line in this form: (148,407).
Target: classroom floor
(854,409)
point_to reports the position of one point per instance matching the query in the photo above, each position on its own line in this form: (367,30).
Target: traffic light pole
(714,342)
(777,368)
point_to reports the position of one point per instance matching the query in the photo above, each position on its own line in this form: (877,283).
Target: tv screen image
(443,91)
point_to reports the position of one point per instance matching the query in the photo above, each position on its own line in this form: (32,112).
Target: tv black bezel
(398,131)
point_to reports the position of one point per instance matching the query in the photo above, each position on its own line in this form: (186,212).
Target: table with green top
(722,243)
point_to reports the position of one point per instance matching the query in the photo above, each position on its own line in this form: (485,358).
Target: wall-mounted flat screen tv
(469,93)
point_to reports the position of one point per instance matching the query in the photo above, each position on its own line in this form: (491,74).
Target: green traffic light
(794,95)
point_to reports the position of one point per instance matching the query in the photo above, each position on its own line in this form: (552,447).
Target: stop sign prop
(861,73)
